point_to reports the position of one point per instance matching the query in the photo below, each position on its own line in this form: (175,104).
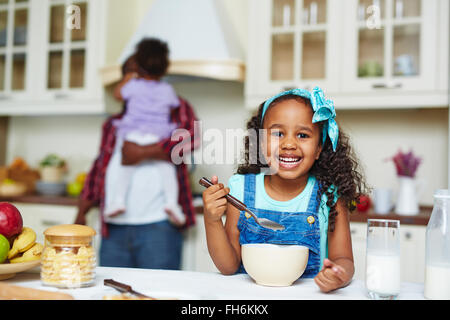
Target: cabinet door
(413,253)
(14,49)
(292,44)
(203,261)
(51,67)
(359,234)
(390,45)
(69,44)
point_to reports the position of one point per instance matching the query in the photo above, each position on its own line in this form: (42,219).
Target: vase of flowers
(406,165)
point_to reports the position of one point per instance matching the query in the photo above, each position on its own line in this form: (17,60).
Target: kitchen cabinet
(412,246)
(51,67)
(14,49)
(392,48)
(292,44)
(195,250)
(68,49)
(364,53)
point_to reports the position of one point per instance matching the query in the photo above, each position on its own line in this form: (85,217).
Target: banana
(23,242)
(33,253)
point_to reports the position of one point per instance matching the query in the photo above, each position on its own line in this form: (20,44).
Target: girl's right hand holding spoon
(214,201)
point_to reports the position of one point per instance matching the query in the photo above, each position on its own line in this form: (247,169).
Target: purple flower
(406,163)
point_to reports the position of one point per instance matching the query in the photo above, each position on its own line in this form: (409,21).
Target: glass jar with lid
(437,261)
(68,259)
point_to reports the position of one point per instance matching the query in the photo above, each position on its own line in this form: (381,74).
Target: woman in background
(157,244)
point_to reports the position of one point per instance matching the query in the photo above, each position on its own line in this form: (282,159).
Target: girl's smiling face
(291,139)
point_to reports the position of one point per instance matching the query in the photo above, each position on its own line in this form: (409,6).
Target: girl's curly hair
(339,169)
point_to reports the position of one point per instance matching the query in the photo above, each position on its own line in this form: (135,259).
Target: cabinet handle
(308,88)
(2,97)
(61,95)
(352,231)
(408,235)
(385,86)
(50,223)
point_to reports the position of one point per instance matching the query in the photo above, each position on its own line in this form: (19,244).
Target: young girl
(146,121)
(305,177)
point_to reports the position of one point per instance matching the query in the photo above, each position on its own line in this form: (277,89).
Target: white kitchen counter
(187,285)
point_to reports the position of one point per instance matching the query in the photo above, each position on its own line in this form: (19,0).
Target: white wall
(379,134)
(220,106)
(122,22)
(76,138)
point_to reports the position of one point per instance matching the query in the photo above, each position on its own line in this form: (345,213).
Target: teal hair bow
(323,110)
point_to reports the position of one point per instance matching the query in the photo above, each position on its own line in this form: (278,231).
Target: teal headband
(323,110)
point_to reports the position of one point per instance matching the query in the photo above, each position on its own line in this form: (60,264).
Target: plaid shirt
(94,186)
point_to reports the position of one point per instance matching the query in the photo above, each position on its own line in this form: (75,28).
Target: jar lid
(70,230)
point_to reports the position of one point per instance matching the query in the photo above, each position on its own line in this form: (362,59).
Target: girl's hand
(214,201)
(331,277)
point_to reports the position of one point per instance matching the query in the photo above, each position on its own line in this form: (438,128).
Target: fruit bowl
(9,270)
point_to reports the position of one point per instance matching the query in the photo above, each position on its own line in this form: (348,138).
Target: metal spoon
(263,222)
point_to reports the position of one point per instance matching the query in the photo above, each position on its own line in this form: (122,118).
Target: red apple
(363,203)
(11,222)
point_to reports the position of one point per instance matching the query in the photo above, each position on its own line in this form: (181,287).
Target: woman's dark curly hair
(152,56)
(339,168)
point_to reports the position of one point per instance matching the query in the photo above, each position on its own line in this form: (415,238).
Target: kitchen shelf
(40,199)
(421,219)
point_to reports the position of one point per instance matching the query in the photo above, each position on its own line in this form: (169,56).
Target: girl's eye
(302,135)
(277,133)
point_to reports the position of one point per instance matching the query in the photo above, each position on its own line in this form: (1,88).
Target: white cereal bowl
(273,264)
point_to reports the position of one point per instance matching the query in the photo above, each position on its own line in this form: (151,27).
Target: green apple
(4,248)
(74,188)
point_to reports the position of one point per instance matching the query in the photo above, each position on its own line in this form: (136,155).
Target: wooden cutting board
(13,292)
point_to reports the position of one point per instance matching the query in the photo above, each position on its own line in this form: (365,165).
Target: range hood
(200,39)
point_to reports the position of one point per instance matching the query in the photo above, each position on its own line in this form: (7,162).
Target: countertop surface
(188,285)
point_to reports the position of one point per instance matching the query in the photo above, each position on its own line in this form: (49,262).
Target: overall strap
(250,190)
(313,200)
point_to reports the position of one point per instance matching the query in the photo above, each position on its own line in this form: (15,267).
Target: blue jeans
(151,246)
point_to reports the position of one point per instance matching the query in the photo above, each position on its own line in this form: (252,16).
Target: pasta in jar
(69,258)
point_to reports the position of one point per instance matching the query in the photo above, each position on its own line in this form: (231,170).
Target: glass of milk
(383,259)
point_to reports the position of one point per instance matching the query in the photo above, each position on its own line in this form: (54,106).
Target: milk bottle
(437,261)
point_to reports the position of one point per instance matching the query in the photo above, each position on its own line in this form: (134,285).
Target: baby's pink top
(149,103)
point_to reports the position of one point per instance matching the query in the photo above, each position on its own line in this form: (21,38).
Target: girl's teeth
(289,159)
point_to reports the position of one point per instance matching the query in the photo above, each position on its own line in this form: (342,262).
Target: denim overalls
(302,228)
